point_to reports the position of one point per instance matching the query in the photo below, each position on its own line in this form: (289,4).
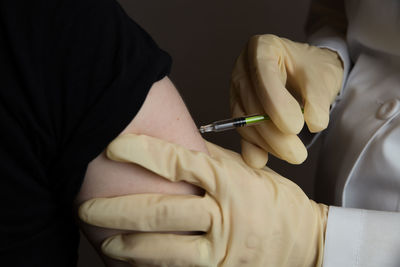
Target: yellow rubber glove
(278,77)
(249,217)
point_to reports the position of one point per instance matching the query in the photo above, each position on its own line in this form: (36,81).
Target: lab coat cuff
(357,237)
(328,38)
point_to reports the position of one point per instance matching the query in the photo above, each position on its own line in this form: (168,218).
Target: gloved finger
(266,136)
(316,115)
(149,212)
(242,89)
(288,147)
(251,135)
(320,89)
(253,155)
(317,102)
(171,161)
(255,149)
(159,249)
(268,72)
(217,151)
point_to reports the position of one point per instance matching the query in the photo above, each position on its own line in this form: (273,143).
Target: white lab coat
(359,166)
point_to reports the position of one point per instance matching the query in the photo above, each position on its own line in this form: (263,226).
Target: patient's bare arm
(163,115)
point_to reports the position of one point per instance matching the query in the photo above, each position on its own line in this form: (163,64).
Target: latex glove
(273,75)
(249,217)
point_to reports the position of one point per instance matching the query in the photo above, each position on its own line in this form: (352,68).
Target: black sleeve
(73,75)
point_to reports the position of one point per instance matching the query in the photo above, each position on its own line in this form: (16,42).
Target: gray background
(204,38)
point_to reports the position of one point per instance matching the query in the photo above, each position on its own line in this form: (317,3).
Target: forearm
(163,115)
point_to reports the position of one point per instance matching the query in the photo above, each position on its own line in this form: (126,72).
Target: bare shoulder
(162,115)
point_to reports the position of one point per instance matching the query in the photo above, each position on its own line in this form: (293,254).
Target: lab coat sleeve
(357,237)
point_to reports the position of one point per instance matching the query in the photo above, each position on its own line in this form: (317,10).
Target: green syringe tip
(257,118)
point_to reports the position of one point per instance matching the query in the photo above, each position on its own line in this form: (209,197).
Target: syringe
(219,126)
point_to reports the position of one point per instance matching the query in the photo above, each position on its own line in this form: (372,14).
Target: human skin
(162,115)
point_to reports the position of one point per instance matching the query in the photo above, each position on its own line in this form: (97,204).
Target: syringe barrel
(223,125)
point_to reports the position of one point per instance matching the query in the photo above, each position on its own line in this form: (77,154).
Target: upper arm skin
(163,115)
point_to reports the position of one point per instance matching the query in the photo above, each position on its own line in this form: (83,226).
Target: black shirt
(73,75)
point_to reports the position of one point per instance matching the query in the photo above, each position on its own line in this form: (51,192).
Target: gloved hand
(273,75)
(249,217)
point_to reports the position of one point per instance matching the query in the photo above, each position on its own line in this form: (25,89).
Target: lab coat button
(388,109)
